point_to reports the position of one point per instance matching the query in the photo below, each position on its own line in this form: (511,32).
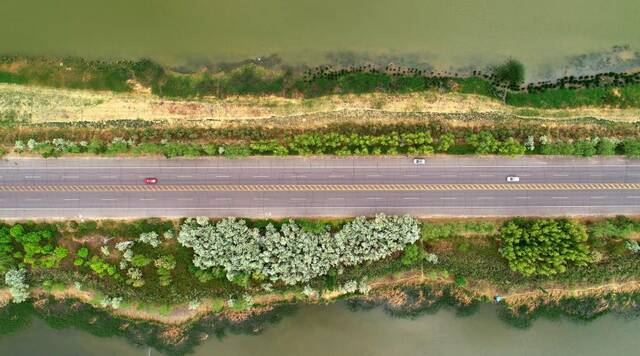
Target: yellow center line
(315,187)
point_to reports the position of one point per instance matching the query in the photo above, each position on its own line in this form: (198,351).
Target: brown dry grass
(41,105)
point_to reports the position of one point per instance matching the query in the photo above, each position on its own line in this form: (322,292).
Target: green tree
(446,140)
(483,142)
(508,75)
(511,147)
(631,147)
(543,247)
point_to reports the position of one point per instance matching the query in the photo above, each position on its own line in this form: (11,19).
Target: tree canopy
(543,247)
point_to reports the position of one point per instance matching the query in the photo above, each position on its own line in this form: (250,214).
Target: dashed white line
(485,198)
(260,176)
(411,198)
(260,198)
(146,199)
(598,197)
(31,177)
(184,176)
(523,197)
(33,199)
(336,176)
(560,175)
(109,199)
(596,175)
(446,198)
(486,175)
(70,177)
(633,197)
(298,199)
(69,199)
(222,199)
(374,198)
(298,176)
(374,175)
(222,176)
(559,198)
(412,175)
(109,177)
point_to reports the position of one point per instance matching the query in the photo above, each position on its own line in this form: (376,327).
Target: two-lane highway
(258,187)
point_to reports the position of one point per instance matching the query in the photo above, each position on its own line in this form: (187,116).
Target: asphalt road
(32,188)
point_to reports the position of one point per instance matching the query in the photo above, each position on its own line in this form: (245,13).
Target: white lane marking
(298,176)
(70,177)
(109,199)
(222,199)
(145,199)
(184,176)
(297,199)
(185,199)
(633,197)
(111,177)
(260,198)
(412,175)
(598,197)
(336,176)
(448,198)
(69,199)
(596,175)
(523,197)
(260,176)
(33,199)
(485,198)
(336,198)
(486,175)
(31,177)
(374,175)
(559,198)
(525,175)
(448,175)
(222,176)
(560,175)
(411,198)
(374,198)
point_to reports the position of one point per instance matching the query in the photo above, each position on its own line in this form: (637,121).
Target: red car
(150,180)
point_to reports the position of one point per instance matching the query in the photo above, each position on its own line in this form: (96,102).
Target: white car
(419,161)
(513,179)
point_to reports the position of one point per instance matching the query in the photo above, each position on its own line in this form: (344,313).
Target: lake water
(438,32)
(335,330)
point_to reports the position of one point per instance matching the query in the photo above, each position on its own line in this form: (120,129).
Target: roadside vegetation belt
(313,187)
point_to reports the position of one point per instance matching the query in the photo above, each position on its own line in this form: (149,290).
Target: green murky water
(334,330)
(439,32)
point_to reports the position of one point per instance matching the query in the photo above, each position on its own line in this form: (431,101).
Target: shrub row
(420,143)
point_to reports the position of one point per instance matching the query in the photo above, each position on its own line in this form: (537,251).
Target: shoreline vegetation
(172,283)
(270,77)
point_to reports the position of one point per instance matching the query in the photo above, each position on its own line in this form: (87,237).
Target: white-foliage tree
(291,254)
(230,244)
(364,240)
(15,279)
(150,238)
